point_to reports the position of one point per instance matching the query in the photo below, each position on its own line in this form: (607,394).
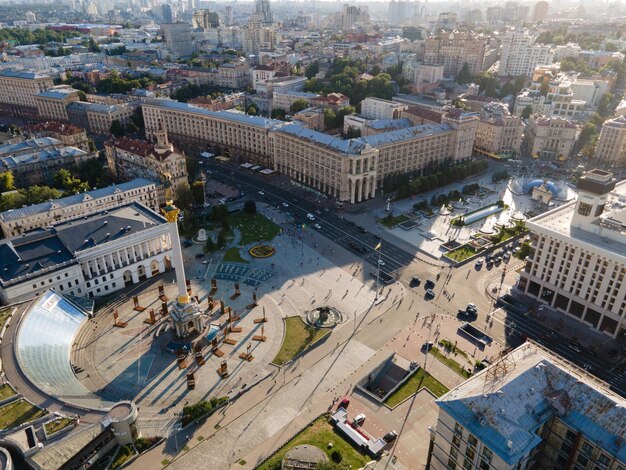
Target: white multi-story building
(376,108)
(566,50)
(529,410)
(281,84)
(420,73)
(17,221)
(578,259)
(611,147)
(520,55)
(88,257)
(284,100)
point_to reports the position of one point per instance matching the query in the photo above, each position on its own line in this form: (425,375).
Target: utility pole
(378,248)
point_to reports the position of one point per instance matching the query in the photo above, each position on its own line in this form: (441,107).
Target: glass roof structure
(44,344)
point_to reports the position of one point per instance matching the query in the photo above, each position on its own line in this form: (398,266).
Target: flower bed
(262,251)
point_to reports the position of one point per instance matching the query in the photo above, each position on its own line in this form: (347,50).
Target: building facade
(578,260)
(52,103)
(18,90)
(234,75)
(520,55)
(89,257)
(101,116)
(452,50)
(611,146)
(376,108)
(18,221)
(550,137)
(131,158)
(497,131)
(529,410)
(178,39)
(68,134)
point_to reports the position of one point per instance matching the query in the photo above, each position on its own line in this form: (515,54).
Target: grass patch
(451,363)
(254,227)
(298,337)
(420,379)
(508,232)
(319,434)
(391,221)
(165,462)
(449,345)
(144,443)
(4,316)
(232,255)
(6,391)
(462,253)
(18,412)
(242,462)
(123,456)
(57,425)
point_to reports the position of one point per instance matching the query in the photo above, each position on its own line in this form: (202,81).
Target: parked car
(344,403)
(429,284)
(359,419)
(427,346)
(479,264)
(471,308)
(317,226)
(310,216)
(576,347)
(187,243)
(430,293)
(415,281)
(390,436)
(285,204)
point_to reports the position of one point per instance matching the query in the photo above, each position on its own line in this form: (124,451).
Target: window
(456,441)
(584,209)
(587,448)
(470,453)
(487,455)
(451,464)
(458,429)
(472,441)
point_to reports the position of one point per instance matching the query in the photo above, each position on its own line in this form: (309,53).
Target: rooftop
(505,404)
(257,121)
(56,127)
(42,250)
(406,134)
(24,74)
(61,93)
(29,145)
(14,161)
(53,204)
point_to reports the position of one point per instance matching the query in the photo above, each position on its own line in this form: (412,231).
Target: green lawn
(451,363)
(18,412)
(420,379)
(232,255)
(254,228)
(461,253)
(298,336)
(393,220)
(319,434)
(508,232)
(123,456)
(454,349)
(57,425)
(6,391)
(4,316)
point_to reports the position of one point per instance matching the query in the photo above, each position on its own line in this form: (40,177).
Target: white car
(358,420)
(381,262)
(317,226)
(310,216)
(261,193)
(285,204)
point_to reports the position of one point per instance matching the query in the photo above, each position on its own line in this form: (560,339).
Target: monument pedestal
(186,317)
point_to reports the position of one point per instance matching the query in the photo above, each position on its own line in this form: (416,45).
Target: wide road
(362,243)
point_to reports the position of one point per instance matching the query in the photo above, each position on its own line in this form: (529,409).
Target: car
(575,347)
(479,264)
(497,261)
(415,281)
(261,193)
(359,419)
(429,284)
(317,226)
(427,346)
(381,262)
(285,204)
(390,436)
(187,243)
(430,293)
(471,308)
(200,256)
(506,257)
(310,216)
(205,261)
(362,230)
(489,264)
(344,403)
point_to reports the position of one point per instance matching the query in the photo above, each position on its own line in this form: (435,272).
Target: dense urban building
(99,117)
(93,256)
(453,50)
(498,132)
(611,146)
(68,134)
(376,108)
(52,103)
(18,89)
(578,259)
(132,158)
(530,409)
(17,221)
(178,39)
(548,137)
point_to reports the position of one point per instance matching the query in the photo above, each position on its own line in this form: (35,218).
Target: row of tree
(25,36)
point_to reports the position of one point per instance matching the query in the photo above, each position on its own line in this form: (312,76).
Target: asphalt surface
(328,223)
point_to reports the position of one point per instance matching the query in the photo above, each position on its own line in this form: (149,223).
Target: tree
(312,69)
(526,112)
(329,118)
(82,96)
(197,191)
(586,134)
(183,196)
(464,75)
(221,238)
(298,106)
(604,107)
(219,213)
(192,166)
(93,47)
(249,207)
(278,113)
(117,129)
(210,244)
(63,179)
(252,111)
(353,133)
(7,182)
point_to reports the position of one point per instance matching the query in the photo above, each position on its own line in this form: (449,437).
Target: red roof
(54,126)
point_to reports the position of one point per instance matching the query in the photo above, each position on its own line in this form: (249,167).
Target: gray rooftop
(45,249)
(29,145)
(56,93)
(25,74)
(15,161)
(47,206)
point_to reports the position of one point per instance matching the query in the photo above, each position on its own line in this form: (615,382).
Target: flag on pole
(377,247)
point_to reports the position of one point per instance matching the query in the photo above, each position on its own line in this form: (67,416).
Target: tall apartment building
(17,221)
(550,137)
(578,260)
(420,73)
(18,90)
(540,11)
(178,39)
(529,410)
(452,50)
(611,146)
(132,158)
(498,132)
(52,103)
(262,8)
(376,108)
(234,75)
(520,55)
(258,37)
(204,19)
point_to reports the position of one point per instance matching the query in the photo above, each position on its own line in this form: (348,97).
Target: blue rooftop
(406,134)
(15,161)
